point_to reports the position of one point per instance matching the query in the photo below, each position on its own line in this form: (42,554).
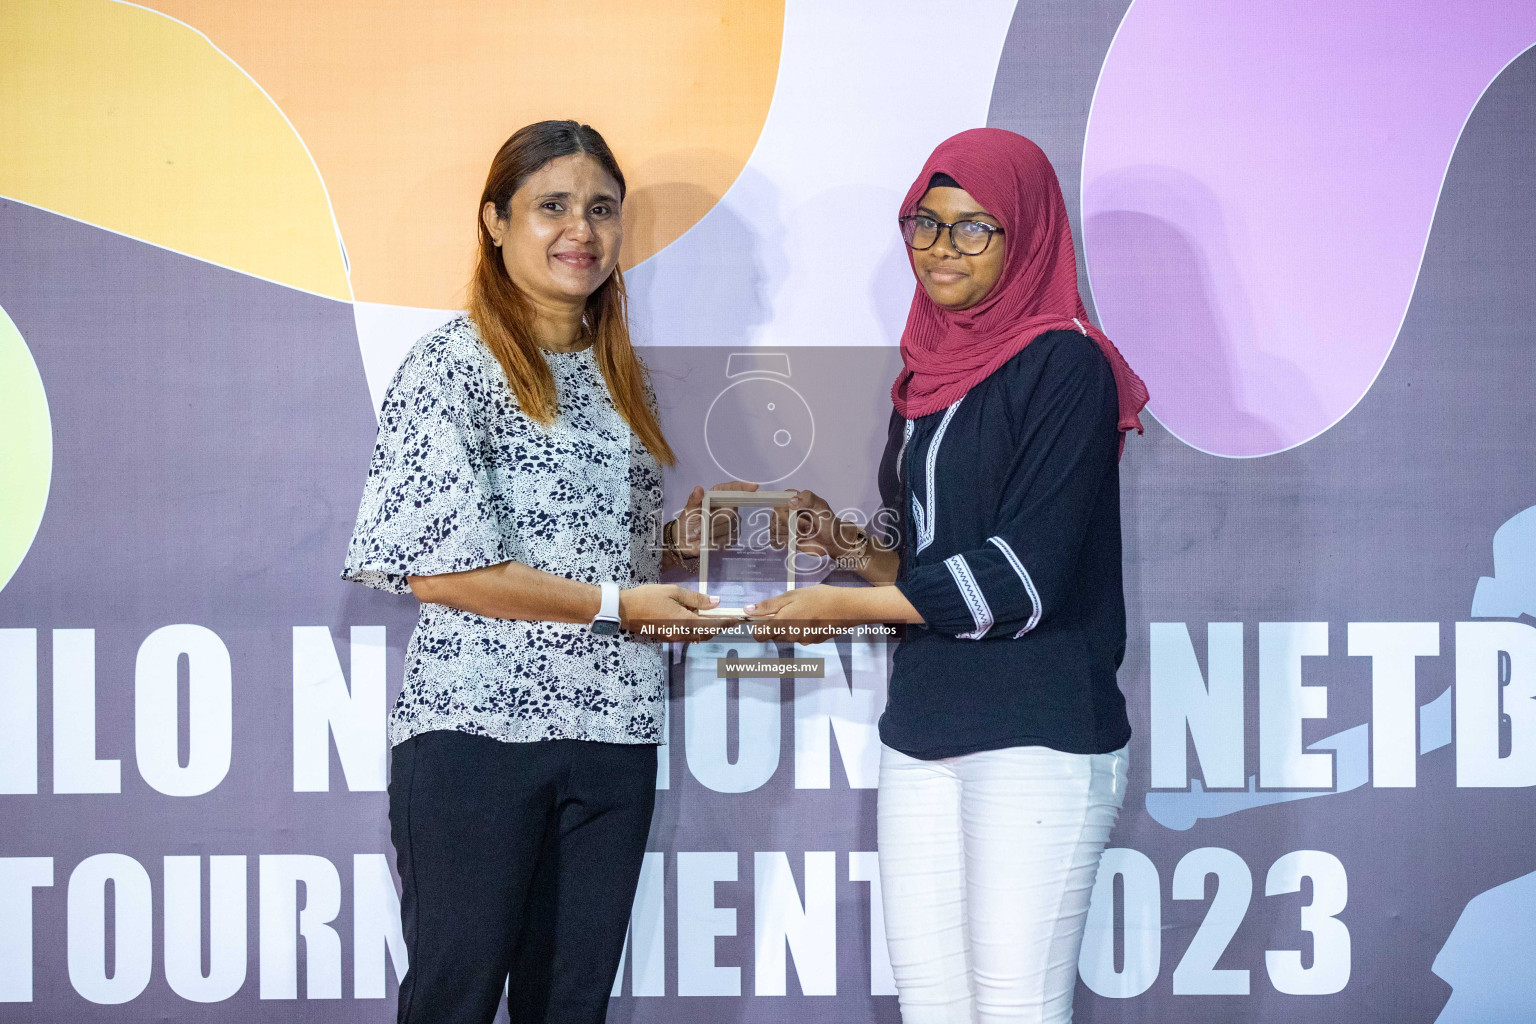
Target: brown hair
(504,315)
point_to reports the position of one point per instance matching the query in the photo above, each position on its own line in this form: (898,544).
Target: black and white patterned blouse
(461,478)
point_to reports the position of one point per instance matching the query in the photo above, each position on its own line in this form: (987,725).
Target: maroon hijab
(946,354)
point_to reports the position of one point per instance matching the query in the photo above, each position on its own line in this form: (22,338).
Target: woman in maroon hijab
(1003,762)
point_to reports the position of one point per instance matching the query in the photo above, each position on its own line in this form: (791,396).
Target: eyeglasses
(966,237)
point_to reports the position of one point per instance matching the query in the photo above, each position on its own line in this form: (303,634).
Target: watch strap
(608,608)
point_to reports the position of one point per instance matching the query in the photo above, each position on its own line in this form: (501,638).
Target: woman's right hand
(666,603)
(818,531)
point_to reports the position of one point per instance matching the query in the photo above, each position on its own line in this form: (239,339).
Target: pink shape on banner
(1259,183)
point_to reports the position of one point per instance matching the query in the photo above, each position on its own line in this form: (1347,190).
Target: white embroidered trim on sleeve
(1029,584)
(980,612)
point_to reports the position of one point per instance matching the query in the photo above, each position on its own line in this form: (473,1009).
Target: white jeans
(986,865)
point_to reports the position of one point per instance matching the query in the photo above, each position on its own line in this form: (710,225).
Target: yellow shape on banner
(26,449)
(403,106)
(124,118)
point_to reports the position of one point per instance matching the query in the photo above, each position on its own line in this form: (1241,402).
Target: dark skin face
(951,279)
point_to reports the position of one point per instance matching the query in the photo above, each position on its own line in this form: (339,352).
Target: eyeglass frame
(992,229)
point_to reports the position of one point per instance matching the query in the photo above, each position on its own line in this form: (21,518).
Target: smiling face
(560,239)
(951,279)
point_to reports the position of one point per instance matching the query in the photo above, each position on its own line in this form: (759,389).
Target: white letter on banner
(1197,973)
(18,877)
(18,711)
(864,866)
(375,926)
(184,927)
(1495,675)
(830,707)
(707,714)
(133,937)
(210,710)
(281,875)
(323,707)
(1181,699)
(1142,926)
(1329,972)
(647,933)
(1394,649)
(1284,703)
(809,929)
(75,767)
(699,921)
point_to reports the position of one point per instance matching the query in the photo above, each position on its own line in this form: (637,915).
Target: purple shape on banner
(1258,187)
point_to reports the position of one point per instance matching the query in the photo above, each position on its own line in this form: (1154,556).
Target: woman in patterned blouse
(515,489)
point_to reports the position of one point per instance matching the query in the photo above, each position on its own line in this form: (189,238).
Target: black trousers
(519,863)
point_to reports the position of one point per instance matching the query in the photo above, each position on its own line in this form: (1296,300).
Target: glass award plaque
(748,569)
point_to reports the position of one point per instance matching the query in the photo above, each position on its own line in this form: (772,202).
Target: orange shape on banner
(403,106)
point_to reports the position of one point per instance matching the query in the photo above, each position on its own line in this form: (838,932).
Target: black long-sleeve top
(1009,512)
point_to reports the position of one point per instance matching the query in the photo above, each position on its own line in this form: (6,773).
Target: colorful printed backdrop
(1312,228)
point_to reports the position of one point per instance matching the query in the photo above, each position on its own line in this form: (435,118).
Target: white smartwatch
(606,622)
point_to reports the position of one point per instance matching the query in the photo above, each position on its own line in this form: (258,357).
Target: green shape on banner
(26,449)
